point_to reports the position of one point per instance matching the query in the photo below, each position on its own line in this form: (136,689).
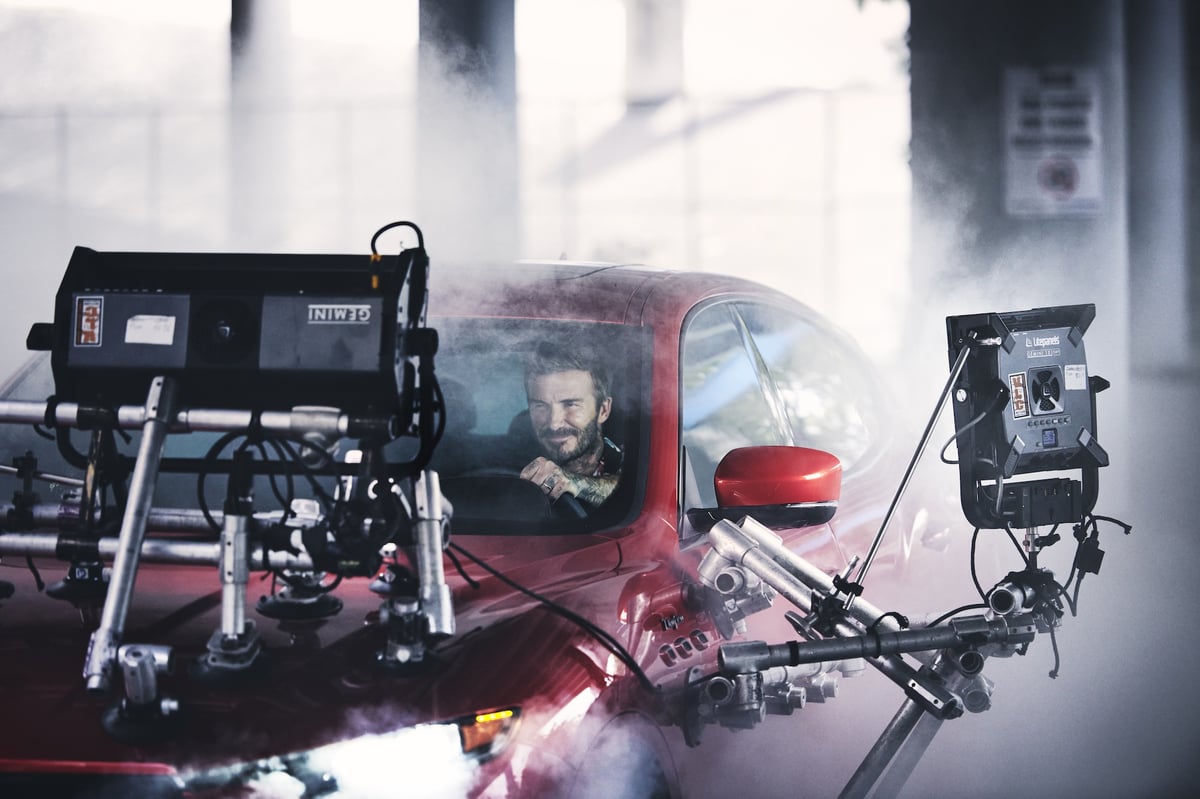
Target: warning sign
(1052,142)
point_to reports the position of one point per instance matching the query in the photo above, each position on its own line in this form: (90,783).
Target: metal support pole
(329,422)
(102,650)
(885,748)
(235,574)
(237,644)
(804,571)
(436,604)
(179,551)
(955,371)
(894,736)
(909,755)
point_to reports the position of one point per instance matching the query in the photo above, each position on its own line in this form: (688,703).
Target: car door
(758,372)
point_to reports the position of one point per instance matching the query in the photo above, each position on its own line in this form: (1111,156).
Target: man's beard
(585,442)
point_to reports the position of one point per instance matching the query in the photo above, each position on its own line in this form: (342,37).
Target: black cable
(211,457)
(1128,528)
(957,433)
(62,441)
(956,611)
(391,225)
(1057,659)
(471,581)
(1071,602)
(991,406)
(900,618)
(284,499)
(282,450)
(37,576)
(440,405)
(600,634)
(974,569)
(323,496)
(1020,550)
(999,486)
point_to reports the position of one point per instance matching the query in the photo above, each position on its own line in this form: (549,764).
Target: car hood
(318,680)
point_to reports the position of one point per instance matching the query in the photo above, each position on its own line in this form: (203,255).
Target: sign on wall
(1052,142)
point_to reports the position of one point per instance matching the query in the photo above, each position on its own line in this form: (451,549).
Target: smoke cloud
(1116,722)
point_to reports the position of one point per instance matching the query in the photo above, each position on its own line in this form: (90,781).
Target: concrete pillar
(1191,15)
(468,190)
(965,238)
(1161,333)
(653,51)
(259,168)
(1067,736)
(972,251)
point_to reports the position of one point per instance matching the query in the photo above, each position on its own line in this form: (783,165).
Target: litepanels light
(1024,404)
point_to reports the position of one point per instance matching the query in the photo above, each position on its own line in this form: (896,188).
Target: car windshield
(488,437)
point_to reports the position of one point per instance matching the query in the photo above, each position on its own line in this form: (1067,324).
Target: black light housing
(1024,404)
(258,331)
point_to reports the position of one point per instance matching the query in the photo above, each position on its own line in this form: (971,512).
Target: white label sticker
(1075,376)
(148,329)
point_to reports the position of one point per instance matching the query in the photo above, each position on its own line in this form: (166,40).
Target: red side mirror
(777,476)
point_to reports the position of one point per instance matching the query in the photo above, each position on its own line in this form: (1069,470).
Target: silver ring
(549,482)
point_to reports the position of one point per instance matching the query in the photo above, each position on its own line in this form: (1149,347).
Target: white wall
(784,161)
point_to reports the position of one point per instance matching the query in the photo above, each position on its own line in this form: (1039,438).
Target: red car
(567,633)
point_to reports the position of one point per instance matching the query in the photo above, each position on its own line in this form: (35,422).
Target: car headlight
(424,760)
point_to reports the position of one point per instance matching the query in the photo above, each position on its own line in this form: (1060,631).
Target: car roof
(598,292)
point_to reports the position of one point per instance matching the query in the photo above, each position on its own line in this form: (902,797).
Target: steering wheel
(567,505)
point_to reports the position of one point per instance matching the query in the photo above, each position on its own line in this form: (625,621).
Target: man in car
(569,398)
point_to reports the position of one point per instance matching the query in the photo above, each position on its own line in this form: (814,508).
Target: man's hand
(549,476)
(556,481)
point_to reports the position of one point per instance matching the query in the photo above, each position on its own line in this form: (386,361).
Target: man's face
(565,416)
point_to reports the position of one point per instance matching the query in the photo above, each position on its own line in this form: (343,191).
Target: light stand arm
(892,742)
(102,650)
(955,372)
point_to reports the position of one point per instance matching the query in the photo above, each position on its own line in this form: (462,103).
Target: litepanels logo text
(339,314)
(1043,341)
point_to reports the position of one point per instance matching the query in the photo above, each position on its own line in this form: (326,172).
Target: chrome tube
(235,574)
(907,735)
(67,516)
(732,543)
(436,602)
(45,476)
(885,749)
(102,650)
(177,551)
(814,578)
(327,421)
(32,412)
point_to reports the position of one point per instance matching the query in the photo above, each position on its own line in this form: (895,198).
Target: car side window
(724,406)
(759,374)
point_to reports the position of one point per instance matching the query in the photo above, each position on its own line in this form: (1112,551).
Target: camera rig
(1024,403)
(225,344)
(286,354)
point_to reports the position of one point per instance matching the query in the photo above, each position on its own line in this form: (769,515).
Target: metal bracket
(102,649)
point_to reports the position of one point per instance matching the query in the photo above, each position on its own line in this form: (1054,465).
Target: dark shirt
(610,460)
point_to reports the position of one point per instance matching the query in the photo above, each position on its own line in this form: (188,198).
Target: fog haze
(119,130)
